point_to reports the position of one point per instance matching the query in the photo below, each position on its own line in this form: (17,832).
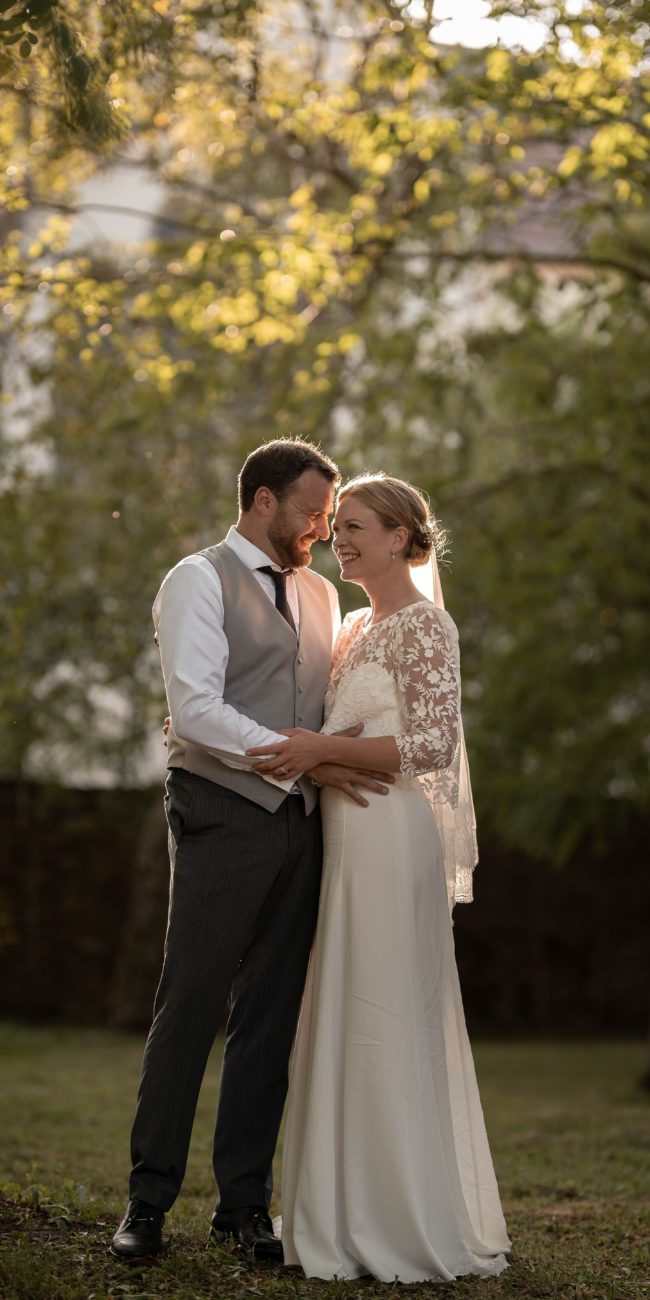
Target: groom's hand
(348,778)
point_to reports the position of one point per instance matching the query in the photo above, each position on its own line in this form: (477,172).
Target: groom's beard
(292,552)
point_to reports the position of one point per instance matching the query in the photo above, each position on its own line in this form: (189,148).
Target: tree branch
(187,185)
(581,261)
(77,209)
(569,469)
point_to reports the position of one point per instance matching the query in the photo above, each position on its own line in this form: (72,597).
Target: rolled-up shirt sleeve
(188,618)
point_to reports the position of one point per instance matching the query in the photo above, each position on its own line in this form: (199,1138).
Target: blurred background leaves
(432,259)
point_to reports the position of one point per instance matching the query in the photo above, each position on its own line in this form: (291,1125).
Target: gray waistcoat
(268,677)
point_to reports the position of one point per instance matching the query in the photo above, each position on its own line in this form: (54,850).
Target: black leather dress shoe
(251,1228)
(139,1235)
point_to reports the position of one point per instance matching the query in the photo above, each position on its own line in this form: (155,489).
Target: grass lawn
(570,1134)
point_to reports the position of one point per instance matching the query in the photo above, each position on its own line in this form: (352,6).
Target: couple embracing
(318,801)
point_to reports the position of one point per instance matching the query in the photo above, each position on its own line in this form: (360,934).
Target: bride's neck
(389,592)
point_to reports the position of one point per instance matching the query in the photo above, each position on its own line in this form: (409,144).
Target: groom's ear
(265,501)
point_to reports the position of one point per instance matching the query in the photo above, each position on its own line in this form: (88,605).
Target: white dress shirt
(188,617)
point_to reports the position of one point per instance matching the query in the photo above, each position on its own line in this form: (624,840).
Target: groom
(245,632)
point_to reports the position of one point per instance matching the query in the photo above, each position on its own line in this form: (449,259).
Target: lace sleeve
(428,678)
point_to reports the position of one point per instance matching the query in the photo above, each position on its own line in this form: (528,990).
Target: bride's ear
(400,540)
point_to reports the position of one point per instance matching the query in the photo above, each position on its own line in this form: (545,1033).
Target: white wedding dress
(387,1169)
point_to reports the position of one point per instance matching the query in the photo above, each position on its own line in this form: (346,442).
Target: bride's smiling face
(363,547)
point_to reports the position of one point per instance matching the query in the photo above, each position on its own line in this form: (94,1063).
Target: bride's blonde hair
(400,505)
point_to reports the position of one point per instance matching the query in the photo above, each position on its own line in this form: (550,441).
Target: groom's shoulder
(196,560)
(186,570)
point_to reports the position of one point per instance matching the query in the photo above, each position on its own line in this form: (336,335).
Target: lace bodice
(401,678)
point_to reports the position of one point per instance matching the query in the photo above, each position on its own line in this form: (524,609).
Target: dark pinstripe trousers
(242,912)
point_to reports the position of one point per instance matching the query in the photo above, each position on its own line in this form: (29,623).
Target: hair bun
(421,543)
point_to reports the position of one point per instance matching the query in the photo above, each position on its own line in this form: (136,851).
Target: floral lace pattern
(401,678)
(418,648)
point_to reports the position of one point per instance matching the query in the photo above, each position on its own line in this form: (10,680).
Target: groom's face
(301,518)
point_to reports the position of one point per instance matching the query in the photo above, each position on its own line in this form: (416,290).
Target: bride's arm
(306,749)
(426,668)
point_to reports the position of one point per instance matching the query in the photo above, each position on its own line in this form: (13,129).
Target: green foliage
(66,78)
(556,617)
(436,261)
(21,22)
(78,50)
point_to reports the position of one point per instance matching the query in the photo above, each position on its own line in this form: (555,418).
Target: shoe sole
(134,1259)
(261,1253)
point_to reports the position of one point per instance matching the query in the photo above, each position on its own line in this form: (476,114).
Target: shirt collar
(248,552)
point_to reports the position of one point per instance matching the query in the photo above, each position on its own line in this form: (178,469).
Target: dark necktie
(280,584)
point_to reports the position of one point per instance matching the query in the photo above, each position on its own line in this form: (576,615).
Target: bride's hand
(302,750)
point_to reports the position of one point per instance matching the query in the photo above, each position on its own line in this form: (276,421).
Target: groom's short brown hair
(276,465)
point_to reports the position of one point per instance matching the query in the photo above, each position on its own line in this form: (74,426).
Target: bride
(387,1168)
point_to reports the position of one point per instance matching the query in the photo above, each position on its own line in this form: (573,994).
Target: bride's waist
(403,785)
(383,724)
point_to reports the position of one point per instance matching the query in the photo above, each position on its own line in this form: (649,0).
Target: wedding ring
(283,771)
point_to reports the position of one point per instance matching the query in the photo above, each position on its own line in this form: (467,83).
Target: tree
(77,49)
(435,260)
